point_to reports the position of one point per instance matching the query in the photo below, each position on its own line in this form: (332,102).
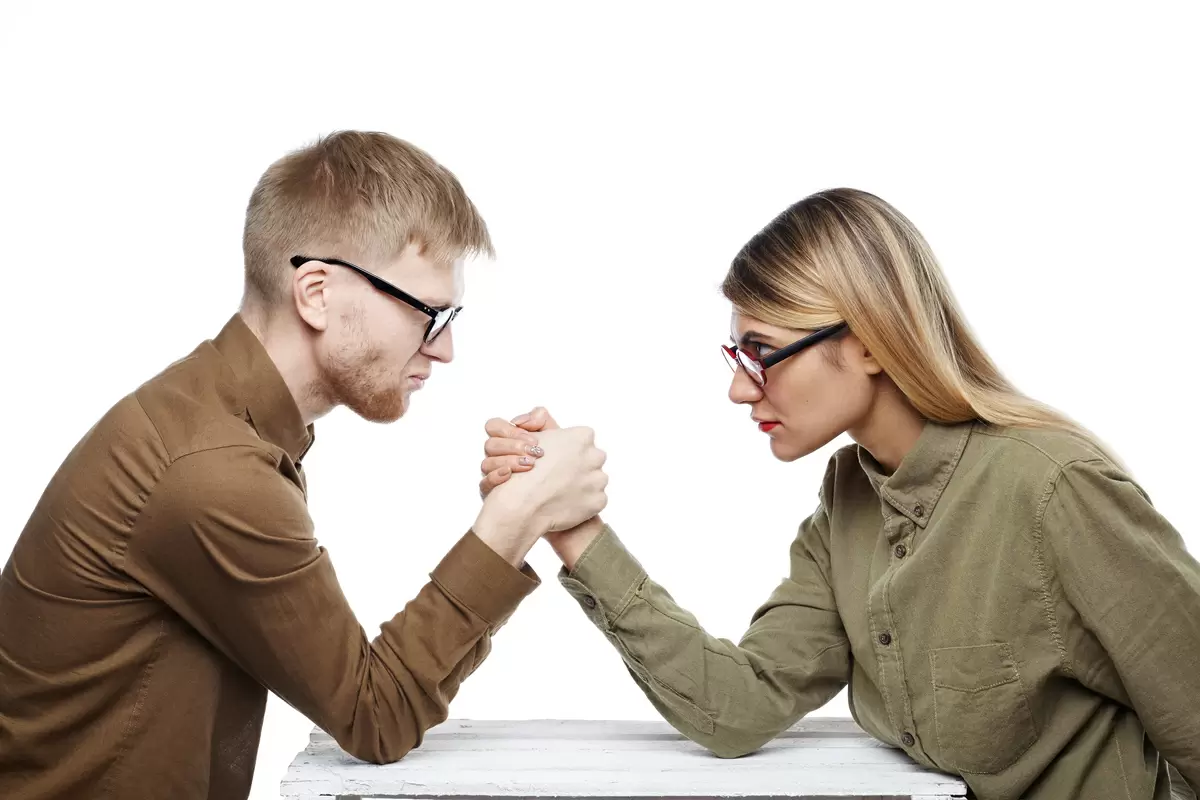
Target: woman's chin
(785,450)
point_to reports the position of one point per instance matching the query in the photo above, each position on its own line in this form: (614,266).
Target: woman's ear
(870,365)
(860,355)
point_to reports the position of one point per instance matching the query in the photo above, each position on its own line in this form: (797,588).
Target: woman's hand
(512,447)
(510,442)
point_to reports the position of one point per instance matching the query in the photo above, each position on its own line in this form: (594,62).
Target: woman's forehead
(741,325)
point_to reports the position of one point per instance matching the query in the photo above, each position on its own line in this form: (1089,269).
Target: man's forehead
(436,282)
(427,270)
(439,286)
(415,260)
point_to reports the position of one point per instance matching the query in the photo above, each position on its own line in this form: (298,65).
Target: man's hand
(567,488)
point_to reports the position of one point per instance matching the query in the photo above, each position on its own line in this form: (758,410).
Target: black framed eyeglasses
(756,368)
(439,318)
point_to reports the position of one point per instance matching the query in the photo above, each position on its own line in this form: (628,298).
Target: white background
(620,156)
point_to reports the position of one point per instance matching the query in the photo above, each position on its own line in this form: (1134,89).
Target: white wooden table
(819,758)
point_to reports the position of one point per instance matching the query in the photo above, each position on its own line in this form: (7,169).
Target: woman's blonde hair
(846,255)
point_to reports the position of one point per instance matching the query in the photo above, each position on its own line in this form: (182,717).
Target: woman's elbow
(735,744)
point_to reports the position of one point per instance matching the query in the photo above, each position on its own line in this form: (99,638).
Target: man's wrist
(510,533)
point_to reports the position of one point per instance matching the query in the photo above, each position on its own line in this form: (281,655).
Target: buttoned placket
(886,638)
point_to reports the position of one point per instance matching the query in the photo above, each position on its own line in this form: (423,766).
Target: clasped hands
(559,500)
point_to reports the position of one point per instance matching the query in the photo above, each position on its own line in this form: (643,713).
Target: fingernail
(521,419)
(536,451)
(526,461)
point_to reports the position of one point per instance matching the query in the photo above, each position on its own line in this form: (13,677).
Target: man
(168,576)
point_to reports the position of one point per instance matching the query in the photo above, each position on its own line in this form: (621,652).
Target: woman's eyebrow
(753,337)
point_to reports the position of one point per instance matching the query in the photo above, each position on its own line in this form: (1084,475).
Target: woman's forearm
(570,544)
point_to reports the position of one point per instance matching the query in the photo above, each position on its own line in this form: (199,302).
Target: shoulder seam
(215,448)
(172,459)
(1044,570)
(134,525)
(137,399)
(1029,444)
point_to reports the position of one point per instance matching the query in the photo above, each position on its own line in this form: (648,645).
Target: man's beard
(356,377)
(365,388)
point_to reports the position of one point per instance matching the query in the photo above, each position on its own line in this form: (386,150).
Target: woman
(1001,598)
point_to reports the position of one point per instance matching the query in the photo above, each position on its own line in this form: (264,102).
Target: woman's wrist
(570,544)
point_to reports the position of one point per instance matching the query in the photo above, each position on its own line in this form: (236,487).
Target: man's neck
(290,355)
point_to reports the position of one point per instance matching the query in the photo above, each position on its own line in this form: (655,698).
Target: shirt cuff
(476,576)
(605,579)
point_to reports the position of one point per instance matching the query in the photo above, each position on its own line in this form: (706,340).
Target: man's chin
(373,410)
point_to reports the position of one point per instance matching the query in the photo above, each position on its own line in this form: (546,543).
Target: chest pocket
(982,716)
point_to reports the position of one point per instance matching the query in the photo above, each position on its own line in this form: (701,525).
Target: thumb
(537,420)
(493,479)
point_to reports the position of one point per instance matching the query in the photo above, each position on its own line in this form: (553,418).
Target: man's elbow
(380,749)
(387,722)
(389,756)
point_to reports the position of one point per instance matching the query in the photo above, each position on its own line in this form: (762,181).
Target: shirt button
(885,638)
(907,739)
(589,601)
(918,510)
(901,551)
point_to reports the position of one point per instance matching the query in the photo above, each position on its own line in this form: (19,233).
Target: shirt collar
(917,484)
(262,390)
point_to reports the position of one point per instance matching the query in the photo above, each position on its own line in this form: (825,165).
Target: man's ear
(310,290)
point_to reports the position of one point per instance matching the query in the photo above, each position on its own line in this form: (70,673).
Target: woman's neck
(891,427)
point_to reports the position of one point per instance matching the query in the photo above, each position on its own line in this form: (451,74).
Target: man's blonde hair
(354,195)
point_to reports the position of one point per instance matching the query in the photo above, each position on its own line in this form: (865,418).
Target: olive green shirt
(1007,606)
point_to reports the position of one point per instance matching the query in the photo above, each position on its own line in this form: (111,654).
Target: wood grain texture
(466,760)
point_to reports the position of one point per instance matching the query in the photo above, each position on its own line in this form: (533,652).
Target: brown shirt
(169,576)
(1007,606)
